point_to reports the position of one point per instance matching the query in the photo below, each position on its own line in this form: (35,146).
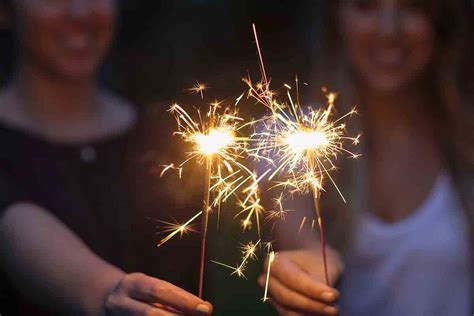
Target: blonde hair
(452,21)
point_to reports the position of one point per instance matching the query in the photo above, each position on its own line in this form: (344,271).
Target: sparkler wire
(205,222)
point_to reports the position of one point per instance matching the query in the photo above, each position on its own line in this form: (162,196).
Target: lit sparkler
(301,143)
(216,142)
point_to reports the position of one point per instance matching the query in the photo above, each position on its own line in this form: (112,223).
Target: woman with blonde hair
(403,243)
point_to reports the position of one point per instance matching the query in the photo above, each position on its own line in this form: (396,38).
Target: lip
(77,42)
(388,58)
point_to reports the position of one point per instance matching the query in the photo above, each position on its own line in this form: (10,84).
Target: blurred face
(67,38)
(389,43)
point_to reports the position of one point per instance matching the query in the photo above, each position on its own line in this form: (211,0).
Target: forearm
(50,265)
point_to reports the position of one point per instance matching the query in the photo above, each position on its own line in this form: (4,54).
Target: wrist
(106,282)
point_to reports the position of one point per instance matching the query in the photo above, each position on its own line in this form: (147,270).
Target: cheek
(38,29)
(357,32)
(420,39)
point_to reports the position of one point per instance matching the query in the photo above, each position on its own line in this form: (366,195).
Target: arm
(51,266)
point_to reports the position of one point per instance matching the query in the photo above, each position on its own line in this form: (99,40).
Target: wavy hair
(450,78)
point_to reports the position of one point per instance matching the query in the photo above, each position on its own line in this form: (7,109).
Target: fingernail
(203,308)
(328,296)
(330,310)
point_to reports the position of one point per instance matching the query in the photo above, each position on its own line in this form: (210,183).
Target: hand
(297,284)
(140,295)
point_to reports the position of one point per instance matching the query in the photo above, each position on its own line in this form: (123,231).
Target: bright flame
(305,141)
(214,141)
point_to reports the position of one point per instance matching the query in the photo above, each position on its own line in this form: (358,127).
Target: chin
(387,85)
(77,71)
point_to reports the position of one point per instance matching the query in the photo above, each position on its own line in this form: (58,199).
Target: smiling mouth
(77,42)
(392,57)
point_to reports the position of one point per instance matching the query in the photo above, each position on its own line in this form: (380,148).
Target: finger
(126,306)
(153,290)
(166,308)
(295,301)
(282,311)
(298,280)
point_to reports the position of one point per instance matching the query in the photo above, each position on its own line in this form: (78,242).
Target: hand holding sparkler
(296,284)
(139,294)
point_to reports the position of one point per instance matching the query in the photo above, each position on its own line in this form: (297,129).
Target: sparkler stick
(205,221)
(322,239)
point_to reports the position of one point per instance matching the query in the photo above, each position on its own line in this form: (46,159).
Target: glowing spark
(253,208)
(198,88)
(303,221)
(312,140)
(248,253)
(215,140)
(236,270)
(239,98)
(176,228)
(279,212)
(271,258)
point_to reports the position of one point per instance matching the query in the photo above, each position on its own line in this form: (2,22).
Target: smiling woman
(67,42)
(66,219)
(406,232)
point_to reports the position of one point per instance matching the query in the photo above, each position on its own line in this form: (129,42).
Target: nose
(389,21)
